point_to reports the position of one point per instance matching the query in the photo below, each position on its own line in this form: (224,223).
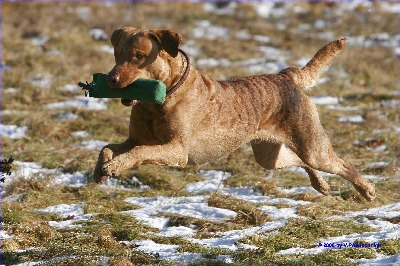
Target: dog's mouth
(129,102)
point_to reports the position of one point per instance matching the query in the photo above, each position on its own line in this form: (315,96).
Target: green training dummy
(144,90)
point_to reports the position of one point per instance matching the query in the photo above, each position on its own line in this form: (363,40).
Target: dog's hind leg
(272,155)
(317,181)
(315,150)
(329,162)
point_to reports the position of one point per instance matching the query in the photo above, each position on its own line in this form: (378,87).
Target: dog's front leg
(107,153)
(170,154)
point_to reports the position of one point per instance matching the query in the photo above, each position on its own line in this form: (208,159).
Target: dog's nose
(113,79)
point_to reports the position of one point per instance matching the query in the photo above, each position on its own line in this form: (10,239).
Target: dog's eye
(138,55)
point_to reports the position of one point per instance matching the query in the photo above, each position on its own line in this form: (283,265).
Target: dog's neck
(178,71)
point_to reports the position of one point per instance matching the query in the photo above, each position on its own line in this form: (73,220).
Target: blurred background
(52,46)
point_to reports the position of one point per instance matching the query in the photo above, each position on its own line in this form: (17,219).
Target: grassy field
(227,212)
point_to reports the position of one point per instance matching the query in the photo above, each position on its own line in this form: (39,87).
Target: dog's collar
(184,76)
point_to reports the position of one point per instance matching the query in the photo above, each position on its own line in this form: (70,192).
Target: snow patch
(247,194)
(279,213)
(133,183)
(243,35)
(65,116)
(13,198)
(4,235)
(262,67)
(380,260)
(298,190)
(200,211)
(301,171)
(272,52)
(378,165)
(387,211)
(13,112)
(40,40)
(98,34)
(262,38)
(204,186)
(374,177)
(13,131)
(70,223)
(28,169)
(305,251)
(212,62)
(69,88)
(287,201)
(270,9)
(92,144)
(205,30)
(213,182)
(12,90)
(107,49)
(383,39)
(229,239)
(103,261)
(195,206)
(326,100)
(397,51)
(228,9)
(386,230)
(81,102)
(272,61)
(390,7)
(343,108)
(65,210)
(149,217)
(351,119)
(80,134)
(41,82)
(164,251)
(191,49)
(371,144)
(77,179)
(177,231)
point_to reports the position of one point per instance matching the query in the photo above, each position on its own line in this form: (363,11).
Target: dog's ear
(169,40)
(116,36)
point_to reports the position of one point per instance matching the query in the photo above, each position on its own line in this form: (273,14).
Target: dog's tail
(307,76)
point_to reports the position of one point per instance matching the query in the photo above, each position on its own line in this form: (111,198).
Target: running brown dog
(205,119)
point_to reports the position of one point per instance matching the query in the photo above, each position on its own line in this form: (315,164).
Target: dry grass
(205,228)
(247,214)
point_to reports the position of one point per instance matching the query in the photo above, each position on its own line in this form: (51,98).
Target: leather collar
(184,76)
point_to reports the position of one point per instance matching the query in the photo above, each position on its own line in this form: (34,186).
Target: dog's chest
(148,127)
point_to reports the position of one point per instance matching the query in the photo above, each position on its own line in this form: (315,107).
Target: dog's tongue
(128,102)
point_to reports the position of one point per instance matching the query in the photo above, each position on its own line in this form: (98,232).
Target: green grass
(306,234)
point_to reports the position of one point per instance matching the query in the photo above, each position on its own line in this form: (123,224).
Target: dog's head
(141,54)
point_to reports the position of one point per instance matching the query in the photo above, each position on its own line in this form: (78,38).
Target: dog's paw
(321,186)
(324,189)
(367,190)
(98,176)
(109,169)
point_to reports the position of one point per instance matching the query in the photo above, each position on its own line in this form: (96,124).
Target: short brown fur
(207,119)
